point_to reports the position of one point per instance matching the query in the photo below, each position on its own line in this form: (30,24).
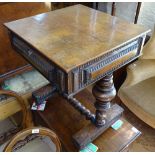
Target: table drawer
(96,69)
(80,77)
(112,61)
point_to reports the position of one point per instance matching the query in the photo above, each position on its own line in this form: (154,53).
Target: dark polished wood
(105,116)
(11,63)
(46,92)
(82,47)
(94,55)
(113,9)
(90,132)
(137,12)
(66,121)
(43,94)
(82,109)
(104,91)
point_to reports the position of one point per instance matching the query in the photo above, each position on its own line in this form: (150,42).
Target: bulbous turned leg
(104,91)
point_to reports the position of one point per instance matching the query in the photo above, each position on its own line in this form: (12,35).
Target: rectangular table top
(72,36)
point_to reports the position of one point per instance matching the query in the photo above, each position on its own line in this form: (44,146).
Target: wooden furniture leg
(104,91)
(72,122)
(137,12)
(113,9)
(106,113)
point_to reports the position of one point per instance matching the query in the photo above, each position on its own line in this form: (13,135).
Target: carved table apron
(98,69)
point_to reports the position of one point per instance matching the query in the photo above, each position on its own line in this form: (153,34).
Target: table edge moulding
(69,82)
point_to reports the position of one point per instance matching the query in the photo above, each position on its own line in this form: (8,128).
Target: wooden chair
(26,120)
(15,100)
(23,84)
(138,90)
(34,139)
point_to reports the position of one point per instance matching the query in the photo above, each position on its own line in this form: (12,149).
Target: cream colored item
(138,90)
(149,48)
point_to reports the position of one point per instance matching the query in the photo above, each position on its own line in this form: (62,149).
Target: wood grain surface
(72,36)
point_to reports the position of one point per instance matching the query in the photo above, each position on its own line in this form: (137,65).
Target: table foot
(91,132)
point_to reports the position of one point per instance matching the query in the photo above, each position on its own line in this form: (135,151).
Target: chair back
(26,118)
(27,135)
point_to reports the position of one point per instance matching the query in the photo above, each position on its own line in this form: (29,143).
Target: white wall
(147,15)
(127,10)
(124,10)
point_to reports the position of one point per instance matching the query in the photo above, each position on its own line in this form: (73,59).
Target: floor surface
(144,143)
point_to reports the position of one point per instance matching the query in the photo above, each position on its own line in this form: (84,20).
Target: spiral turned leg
(104,91)
(82,109)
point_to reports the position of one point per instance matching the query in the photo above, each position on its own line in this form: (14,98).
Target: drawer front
(84,75)
(108,63)
(113,61)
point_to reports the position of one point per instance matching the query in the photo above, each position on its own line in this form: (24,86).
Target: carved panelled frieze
(72,82)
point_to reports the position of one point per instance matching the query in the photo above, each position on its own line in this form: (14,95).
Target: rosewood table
(75,47)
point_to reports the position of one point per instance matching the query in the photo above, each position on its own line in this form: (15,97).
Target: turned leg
(104,91)
(106,114)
